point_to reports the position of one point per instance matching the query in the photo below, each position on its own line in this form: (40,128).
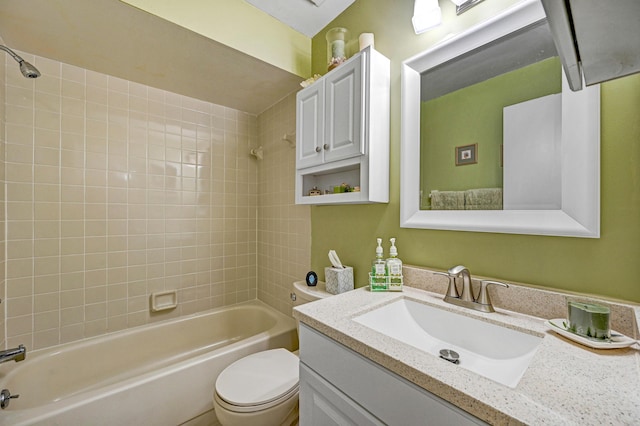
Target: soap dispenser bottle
(378,275)
(394,268)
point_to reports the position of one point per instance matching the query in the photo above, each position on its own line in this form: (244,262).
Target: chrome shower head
(29,70)
(26,68)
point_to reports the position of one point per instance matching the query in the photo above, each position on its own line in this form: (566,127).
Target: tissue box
(338,280)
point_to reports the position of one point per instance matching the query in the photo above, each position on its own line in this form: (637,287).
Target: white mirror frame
(580,212)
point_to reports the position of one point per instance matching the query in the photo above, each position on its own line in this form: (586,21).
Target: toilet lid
(258,378)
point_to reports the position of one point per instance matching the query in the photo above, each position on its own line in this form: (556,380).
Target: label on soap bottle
(395,268)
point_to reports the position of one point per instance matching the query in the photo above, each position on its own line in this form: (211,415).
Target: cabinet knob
(326,146)
(318,149)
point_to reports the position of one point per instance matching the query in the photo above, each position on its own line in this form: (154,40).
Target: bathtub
(156,374)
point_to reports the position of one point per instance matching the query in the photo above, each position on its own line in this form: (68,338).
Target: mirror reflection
(490,127)
(546,195)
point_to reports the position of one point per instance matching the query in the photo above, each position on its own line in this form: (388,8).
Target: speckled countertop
(565,384)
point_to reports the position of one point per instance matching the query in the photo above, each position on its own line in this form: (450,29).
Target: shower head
(26,68)
(29,70)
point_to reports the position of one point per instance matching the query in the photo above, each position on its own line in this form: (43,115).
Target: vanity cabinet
(342,133)
(339,386)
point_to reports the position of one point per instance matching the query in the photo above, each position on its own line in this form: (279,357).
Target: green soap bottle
(394,268)
(378,276)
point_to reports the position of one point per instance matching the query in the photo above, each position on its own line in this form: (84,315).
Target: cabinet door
(310,125)
(377,393)
(344,127)
(322,404)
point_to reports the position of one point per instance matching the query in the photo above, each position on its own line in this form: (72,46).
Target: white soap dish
(617,340)
(164,300)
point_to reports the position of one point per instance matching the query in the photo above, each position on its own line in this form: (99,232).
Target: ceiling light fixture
(426,15)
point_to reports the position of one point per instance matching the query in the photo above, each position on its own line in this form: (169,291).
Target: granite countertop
(566,383)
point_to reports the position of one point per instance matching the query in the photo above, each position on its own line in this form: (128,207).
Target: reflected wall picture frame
(466,154)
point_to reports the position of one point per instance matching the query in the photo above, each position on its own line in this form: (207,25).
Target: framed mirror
(543,188)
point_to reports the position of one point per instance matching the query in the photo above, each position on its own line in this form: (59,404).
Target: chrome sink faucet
(15,354)
(467,299)
(467,290)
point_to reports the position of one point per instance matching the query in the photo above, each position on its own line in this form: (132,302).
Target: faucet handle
(483,296)
(452,290)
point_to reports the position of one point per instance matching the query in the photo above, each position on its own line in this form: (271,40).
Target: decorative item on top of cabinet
(342,132)
(337,43)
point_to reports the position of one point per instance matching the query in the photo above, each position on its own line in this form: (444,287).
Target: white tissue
(334,259)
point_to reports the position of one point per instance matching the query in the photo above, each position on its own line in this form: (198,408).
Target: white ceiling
(305,16)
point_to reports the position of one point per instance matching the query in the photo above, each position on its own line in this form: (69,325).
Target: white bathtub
(157,374)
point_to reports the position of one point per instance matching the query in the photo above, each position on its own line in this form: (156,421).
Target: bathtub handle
(5,397)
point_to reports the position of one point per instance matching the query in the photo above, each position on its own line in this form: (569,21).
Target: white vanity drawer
(384,394)
(322,404)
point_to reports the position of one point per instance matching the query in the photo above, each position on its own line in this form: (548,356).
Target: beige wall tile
(279,220)
(3,171)
(116,190)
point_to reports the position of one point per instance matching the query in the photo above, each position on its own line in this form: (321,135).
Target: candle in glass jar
(337,49)
(337,46)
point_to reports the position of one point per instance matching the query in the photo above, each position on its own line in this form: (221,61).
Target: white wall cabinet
(328,116)
(341,387)
(342,132)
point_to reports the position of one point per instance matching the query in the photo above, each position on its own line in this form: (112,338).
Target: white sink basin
(496,352)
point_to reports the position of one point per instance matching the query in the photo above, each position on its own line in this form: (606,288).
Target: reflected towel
(483,199)
(447,200)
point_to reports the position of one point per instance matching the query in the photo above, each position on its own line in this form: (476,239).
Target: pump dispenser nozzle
(393,250)
(379,251)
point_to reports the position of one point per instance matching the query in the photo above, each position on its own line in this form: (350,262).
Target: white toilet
(262,388)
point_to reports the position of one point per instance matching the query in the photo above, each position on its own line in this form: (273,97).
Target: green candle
(589,319)
(337,49)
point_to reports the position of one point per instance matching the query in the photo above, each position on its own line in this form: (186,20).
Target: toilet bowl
(262,388)
(259,389)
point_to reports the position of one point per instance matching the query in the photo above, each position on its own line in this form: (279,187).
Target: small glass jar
(337,40)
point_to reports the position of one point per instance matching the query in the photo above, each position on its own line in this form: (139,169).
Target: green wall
(477,111)
(608,266)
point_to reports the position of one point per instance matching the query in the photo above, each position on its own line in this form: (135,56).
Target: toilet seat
(255,408)
(258,381)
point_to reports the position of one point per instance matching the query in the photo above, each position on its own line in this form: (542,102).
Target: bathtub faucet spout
(15,354)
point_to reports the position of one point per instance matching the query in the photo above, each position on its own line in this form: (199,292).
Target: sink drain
(450,355)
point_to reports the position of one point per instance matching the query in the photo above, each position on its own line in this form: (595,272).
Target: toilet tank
(302,293)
